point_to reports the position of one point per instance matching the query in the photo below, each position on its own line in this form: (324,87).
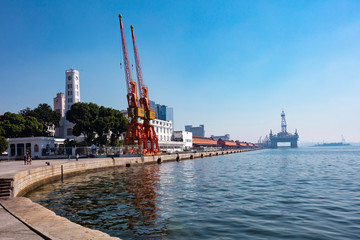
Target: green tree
(3,144)
(45,115)
(97,124)
(83,116)
(120,125)
(14,125)
(32,127)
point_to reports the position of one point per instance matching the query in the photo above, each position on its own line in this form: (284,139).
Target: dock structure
(284,136)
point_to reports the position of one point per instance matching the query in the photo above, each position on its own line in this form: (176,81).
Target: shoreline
(43,221)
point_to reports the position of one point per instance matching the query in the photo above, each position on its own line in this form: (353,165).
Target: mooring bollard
(62,173)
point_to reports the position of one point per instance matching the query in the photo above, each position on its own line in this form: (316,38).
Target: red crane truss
(152,140)
(135,135)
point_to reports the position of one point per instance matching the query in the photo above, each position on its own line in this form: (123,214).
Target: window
(36,148)
(77,93)
(77,87)
(69,86)
(12,149)
(69,131)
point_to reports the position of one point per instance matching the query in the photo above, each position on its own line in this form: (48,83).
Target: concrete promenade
(20,218)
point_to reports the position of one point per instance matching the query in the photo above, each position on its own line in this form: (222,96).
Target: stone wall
(28,180)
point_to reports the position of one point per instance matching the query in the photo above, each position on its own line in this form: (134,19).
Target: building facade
(163,129)
(72,88)
(185,137)
(162,112)
(37,147)
(204,143)
(196,131)
(59,104)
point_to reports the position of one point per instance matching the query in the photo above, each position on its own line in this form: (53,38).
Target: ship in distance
(334,144)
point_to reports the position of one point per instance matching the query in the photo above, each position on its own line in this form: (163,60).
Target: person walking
(25,158)
(77,157)
(28,159)
(69,158)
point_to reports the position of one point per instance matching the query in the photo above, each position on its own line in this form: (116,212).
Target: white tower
(72,88)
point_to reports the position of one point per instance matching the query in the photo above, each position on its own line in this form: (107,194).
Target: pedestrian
(69,158)
(77,157)
(28,159)
(25,159)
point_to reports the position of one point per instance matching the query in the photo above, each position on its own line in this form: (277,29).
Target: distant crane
(151,138)
(135,134)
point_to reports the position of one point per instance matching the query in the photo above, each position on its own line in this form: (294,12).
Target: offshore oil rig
(283,136)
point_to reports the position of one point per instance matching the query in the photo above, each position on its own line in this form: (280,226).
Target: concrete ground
(12,228)
(8,169)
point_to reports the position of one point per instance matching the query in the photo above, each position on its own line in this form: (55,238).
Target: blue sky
(231,65)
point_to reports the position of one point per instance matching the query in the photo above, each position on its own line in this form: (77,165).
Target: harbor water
(304,193)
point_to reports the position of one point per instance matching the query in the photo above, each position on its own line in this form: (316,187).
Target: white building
(164,132)
(163,129)
(35,146)
(185,137)
(63,104)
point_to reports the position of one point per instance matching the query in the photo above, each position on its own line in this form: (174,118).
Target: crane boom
(144,102)
(132,95)
(137,64)
(135,136)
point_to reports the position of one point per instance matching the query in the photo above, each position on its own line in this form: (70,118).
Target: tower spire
(283,122)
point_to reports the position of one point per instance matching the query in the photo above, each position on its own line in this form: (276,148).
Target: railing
(84,151)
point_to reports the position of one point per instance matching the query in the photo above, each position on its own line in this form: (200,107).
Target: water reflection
(122,201)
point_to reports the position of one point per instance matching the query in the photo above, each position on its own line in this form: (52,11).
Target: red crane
(152,140)
(135,134)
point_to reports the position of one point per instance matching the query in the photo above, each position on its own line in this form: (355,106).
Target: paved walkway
(12,228)
(8,169)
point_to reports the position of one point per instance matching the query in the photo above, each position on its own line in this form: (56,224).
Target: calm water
(305,193)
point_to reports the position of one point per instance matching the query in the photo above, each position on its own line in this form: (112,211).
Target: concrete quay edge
(46,223)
